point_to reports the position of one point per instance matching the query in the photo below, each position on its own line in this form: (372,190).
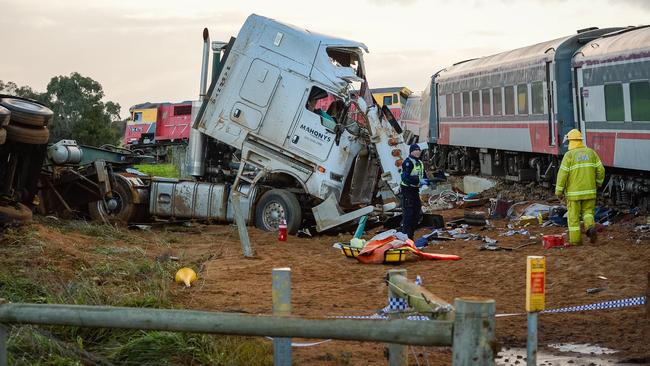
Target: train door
(580,93)
(549,102)
(434,113)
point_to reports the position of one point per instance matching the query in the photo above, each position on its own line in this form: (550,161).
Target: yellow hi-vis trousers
(578,209)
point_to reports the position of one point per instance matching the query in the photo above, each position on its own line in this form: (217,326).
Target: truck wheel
(3,135)
(26,112)
(19,214)
(275,204)
(118,209)
(28,135)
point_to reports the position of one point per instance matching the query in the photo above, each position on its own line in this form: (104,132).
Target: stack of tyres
(28,121)
(23,140)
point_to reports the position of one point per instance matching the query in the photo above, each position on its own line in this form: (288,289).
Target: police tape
(297,344)
(401,305)
(605,305)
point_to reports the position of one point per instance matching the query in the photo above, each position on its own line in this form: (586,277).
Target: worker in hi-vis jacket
(413,175)
(581,174)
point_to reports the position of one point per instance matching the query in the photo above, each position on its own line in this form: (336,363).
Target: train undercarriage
(622,188)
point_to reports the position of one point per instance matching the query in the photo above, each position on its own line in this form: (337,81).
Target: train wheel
(27,135)
(27,113)
(274,205)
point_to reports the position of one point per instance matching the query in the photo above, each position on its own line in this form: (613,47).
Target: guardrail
(471,333)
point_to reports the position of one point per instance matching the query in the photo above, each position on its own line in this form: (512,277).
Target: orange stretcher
(375,251)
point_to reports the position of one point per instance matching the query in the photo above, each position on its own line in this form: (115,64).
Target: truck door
(309,135)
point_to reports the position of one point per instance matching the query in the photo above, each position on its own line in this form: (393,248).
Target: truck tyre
(123,212)
(275,204)
(18,214)
(25,112)
(3,135)
(5,115)
(28,135)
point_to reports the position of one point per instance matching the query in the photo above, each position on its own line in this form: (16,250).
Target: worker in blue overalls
(413,176)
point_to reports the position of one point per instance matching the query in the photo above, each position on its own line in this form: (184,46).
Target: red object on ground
(373,252)
(431,256)
(551,241)
(282,230)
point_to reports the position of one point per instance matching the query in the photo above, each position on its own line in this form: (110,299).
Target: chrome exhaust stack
(196,144)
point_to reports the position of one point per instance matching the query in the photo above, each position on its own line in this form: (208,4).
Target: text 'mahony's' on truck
(288,126)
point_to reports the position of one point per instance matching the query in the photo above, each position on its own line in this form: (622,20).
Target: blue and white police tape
(396,304)
(311,344)
(614,304)
(605,305)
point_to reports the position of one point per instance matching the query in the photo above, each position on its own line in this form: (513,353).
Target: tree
(23,91)
(79,113)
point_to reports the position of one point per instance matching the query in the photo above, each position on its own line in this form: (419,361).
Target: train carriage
(506,114)
(612,76)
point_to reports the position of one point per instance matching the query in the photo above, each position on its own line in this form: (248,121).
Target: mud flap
(329,214)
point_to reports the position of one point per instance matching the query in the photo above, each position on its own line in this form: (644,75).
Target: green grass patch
(159,170)
(117,274)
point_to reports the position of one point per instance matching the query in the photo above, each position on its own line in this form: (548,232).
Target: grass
(117,274)
(159,170)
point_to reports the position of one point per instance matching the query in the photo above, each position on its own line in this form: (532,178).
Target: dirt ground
(325,283)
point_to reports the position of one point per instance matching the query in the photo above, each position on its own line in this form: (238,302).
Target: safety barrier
(470,333)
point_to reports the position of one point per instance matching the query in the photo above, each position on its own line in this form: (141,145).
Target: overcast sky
(150,50)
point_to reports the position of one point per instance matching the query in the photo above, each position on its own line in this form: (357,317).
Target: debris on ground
(186,276)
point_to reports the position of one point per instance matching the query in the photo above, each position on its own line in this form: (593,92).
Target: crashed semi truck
(287,129)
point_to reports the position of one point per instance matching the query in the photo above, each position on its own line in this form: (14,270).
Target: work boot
(592,233)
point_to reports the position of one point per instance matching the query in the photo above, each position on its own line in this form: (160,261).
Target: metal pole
(282,307)
(473,332)
(241,225)
(4,337)
(433,333)
(531,343)
(397,353)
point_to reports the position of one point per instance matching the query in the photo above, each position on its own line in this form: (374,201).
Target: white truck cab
(290,109)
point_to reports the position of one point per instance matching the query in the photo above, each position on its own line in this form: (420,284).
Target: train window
(466,104)
(497,104)
(395,100)
(449,102)
(537,97)
(476,103)
(509,96)
(486,101)
(182,110)
(640,100)
(137,117)
(522,99)
(614,110)
(456,104)
(388,100)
